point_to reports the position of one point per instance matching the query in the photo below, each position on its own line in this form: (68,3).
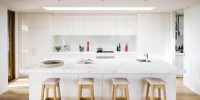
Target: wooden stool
(120,83)
(155,83)
(51,83)
(86,83)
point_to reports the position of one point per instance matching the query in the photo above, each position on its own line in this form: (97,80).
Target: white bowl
(52,63)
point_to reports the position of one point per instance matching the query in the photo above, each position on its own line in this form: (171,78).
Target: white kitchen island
(103,70)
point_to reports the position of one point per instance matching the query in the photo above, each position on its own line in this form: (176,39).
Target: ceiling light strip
(99,8)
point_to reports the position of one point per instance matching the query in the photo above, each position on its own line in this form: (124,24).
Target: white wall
(108,43)
(192,48)
(4,49)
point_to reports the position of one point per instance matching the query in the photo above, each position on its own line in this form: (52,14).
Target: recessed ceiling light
(99,8)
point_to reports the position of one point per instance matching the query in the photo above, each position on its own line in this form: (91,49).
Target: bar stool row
(118,83)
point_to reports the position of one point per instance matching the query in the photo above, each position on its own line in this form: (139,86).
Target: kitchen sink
(142,60)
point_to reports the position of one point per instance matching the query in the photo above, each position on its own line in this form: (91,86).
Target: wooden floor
(18,90)
(183,93)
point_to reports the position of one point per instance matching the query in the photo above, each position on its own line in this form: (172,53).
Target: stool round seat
(86,81)
(120,81)
(155,81)
(51,81)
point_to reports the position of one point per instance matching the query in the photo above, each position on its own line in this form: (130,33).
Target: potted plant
(58,48)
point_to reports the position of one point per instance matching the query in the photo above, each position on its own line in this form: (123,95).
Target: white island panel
(103,71)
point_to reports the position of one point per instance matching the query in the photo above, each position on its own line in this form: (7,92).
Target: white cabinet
(145,33)
(153,33)
(105,25)
(94,24)
(68,25)
(34,45)
(33,39)
(78,25)
(161,33)
(145,24)
(88,25)
(145,44)
(121,25)
(131,25)
(34,20)
(57,25)
(26,20)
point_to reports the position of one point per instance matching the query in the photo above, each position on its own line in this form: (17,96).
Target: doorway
(11,38)
(179,36)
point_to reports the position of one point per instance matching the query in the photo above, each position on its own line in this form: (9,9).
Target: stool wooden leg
(127,93)
(59,96)
(115,92)
(164,92)
(159,93)
(42,94)
(92,92)
(47,92)
(80,92)
(147,93)
(54,89)
(152,90)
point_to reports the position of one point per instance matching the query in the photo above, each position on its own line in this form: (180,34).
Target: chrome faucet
(147,56)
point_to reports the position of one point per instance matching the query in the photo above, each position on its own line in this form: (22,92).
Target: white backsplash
(108,43)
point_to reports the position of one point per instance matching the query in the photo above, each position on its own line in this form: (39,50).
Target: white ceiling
(36,5)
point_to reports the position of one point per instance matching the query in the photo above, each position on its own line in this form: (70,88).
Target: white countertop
(108,66)
(93,53)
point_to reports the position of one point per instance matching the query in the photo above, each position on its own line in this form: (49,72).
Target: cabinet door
(41,44)
(42,20)
(161,34)
(34,45)
(145,44)
(145,24)
(78,25)
(68,25)
(56,25)
(26,20)
(88,25)
(34,20)
(131,25)
(26,47)
(105,25)
(121,25)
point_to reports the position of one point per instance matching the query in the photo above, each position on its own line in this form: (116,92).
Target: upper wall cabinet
(34,20)
(145,24)
(94,24)
(78,25)
(131,25)
(105,25)
(88,25)
(68,25)
(121,25)
(57,25)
